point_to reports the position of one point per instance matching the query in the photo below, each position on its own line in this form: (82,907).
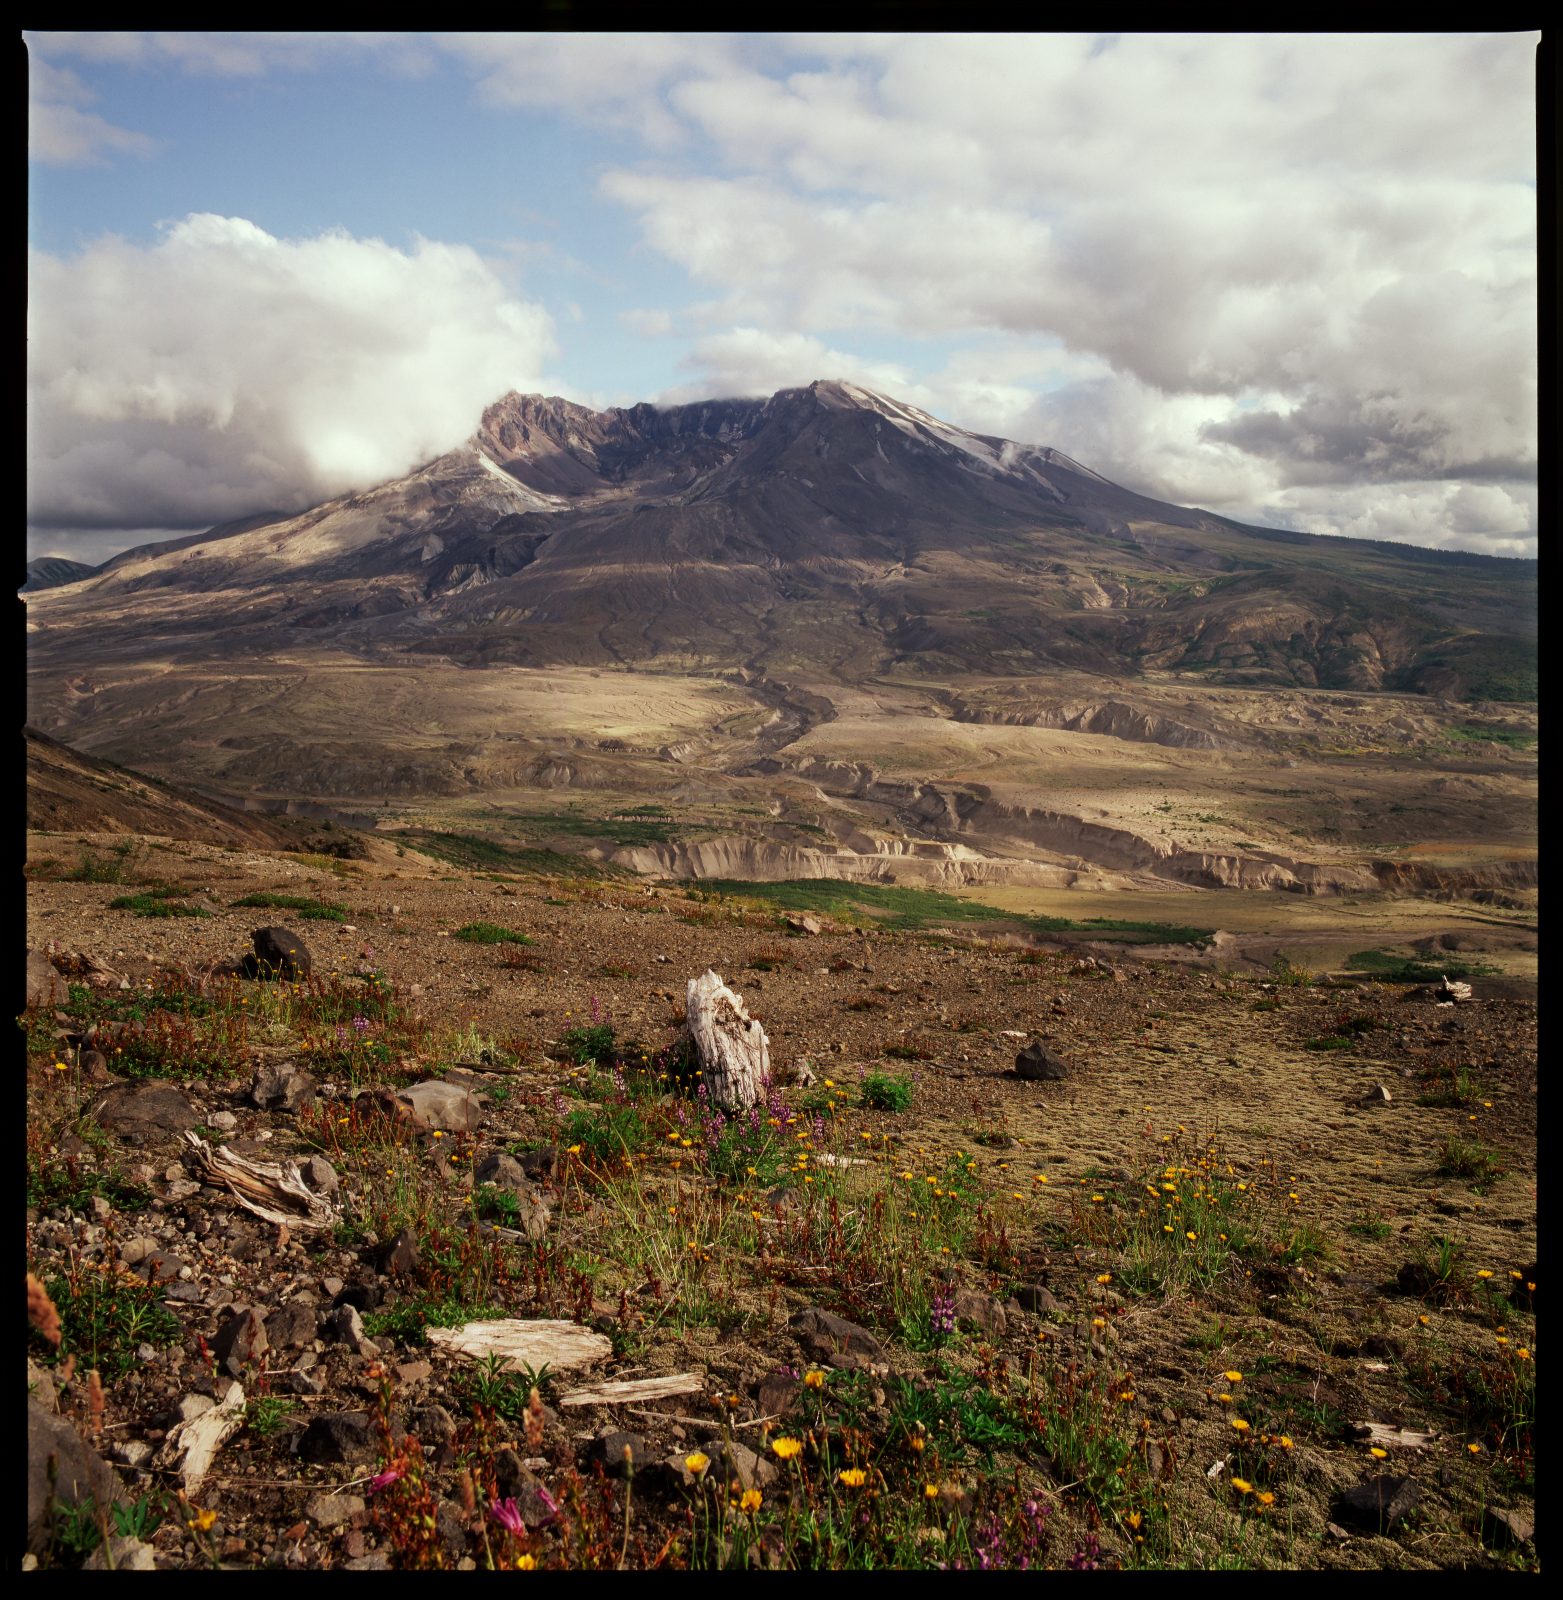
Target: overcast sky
(1287,278)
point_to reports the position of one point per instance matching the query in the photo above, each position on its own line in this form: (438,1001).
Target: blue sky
(1290,278)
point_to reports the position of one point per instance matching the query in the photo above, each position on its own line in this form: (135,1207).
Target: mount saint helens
(828,529)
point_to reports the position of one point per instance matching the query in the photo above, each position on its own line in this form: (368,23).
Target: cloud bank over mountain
(1291,278)
(223,371)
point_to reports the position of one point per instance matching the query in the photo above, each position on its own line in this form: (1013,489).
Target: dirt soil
(1386,1287)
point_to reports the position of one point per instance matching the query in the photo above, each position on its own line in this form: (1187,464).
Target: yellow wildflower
(787,1448)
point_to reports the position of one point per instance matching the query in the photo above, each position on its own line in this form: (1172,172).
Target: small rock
(281,1086)
(1035,1298)
(346,1326)
(505,1172)
(1502,1526)
(979,1310)
(609,1449)
(321,1176)
(1040,1063)
(777,1394)
(241,1341)
(446,1107)
(1378,1504)
(45,987)
(1378,1095)
(293,1327)
(411,1372)
(124,1554)
(338,1438)
(834,1341)
(225,1120)
(158,1266)
(332,1510)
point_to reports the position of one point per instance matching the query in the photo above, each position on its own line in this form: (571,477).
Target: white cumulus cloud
(222,370)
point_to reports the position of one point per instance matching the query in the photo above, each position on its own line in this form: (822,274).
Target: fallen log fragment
(626,1389)
(193,1445)
(276,1192)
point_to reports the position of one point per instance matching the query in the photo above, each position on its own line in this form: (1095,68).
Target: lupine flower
(941,1312)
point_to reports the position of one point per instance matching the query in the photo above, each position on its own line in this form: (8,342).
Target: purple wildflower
(385,1480)
(508,1515)
(941,1313)
(1088,1555)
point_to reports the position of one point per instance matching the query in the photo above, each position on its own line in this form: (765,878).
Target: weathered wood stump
(734,1055)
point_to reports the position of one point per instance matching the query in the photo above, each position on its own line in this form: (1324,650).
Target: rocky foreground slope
(1252,1281)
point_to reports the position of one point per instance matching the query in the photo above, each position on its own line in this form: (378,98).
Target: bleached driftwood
(1381,1433)
(193,1445)
(276,1192)
(613,1394)
(522,1344)
(734,1055)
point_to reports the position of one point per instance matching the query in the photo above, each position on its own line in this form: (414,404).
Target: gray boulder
(139,1111)
(1040,1063)
(281,1086)
(279,953)
(45,987)
(79,1473)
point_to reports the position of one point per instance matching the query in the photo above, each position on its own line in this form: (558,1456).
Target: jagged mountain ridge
(827,531)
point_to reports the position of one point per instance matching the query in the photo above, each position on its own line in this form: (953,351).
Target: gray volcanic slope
(828,531)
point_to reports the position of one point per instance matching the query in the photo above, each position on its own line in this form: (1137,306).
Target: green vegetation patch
(1147,932)
(1472,733)
(1387,967)
(913,909)
(481,853)
(489,933)
(309,909)
(886,1093)
(158,901)
(637,825)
